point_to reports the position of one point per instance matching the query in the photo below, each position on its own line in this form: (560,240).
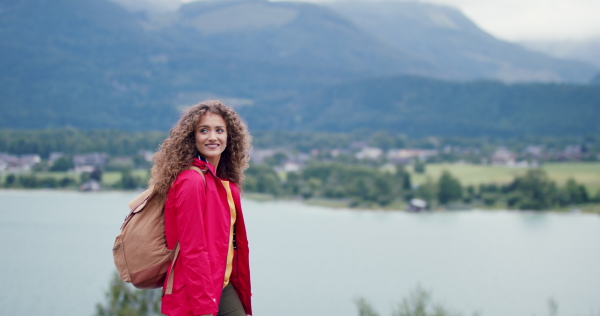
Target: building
(407,155)
(89,162)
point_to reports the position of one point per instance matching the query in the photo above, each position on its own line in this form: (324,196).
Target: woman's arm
(193,256)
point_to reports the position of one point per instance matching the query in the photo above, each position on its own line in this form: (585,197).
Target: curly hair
(178,151)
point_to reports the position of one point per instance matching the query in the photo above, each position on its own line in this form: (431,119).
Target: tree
(10,181)
(419,303)
(382,140)
(449,188)
(427,191)
(63,163)
(532,191)
(403,176)
(419,166)
(364,307)
(96,174)
(122,300)
(577,193)
(128,181)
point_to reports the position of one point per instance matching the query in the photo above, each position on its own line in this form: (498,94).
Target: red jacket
(198,216)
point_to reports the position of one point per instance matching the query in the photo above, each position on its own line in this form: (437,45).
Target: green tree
(577,193)
(66,181)
(449,188)
(277,159)
(419,166)
(28,181)
(427,191)
(419,303)
(123,300)
(10,181)
(128,180)
(403,176)
(532,191)
(84,177)
(96,174)
(63,163)
(382,140)
(364,307)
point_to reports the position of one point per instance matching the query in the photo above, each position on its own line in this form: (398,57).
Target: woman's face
(211,137)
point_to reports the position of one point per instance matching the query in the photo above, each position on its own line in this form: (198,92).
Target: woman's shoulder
(189,177)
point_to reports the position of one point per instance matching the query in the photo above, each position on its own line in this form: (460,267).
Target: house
(89,162)
(371,153)
(407,155)
(289,166)
(416,205)
(90,186)
(503,157)
(259,156)
(148,155)
(18,163)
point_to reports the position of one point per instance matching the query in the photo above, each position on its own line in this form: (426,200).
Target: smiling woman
(204,224)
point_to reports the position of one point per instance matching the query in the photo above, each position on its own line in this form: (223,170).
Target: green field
(584,173)
(109,178)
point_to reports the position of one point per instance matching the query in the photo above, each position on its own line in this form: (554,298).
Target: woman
(203,213)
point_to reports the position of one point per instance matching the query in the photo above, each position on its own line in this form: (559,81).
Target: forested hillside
(92,64)
(454,43)
(421,106)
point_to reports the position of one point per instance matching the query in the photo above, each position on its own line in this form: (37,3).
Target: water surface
(310,260)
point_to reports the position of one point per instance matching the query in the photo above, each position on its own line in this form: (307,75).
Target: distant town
(291,160)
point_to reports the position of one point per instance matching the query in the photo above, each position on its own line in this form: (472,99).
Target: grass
(586,173)
(109,178)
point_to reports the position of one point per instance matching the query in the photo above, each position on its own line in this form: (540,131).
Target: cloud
(515,20)
(533,19)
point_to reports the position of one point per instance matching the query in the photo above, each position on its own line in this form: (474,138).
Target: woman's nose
(212,135)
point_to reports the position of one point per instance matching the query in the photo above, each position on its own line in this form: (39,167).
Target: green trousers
(230,303)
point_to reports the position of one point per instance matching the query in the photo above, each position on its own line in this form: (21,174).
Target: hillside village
(291,160)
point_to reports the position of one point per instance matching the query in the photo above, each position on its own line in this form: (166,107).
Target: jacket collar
(204,165)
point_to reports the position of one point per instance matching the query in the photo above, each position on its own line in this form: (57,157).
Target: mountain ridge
(93,64)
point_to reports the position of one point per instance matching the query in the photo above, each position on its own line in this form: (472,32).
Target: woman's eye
(220,130)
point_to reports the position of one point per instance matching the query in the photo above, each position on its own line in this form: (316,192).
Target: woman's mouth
(212,146)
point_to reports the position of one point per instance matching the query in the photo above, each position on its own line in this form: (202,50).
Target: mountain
(583,50)
(254,47)
(93,64)
(418,106)
(75,63)
(446,38)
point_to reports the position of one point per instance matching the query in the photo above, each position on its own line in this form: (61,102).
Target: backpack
(140,250)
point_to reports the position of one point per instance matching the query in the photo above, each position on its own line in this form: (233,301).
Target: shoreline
(590,208)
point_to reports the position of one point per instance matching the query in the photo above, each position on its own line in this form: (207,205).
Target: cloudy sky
(514,20)
(533,19)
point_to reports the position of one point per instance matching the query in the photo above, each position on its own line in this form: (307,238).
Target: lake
(309,260)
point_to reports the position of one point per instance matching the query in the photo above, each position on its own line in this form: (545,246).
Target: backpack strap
(171,276)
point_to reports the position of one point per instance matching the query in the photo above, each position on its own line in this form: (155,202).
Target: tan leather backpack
(140,250)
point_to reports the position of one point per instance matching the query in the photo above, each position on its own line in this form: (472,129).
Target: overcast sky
(514,20)
(533,19)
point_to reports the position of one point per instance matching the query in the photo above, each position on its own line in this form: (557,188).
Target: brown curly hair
(178,151)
